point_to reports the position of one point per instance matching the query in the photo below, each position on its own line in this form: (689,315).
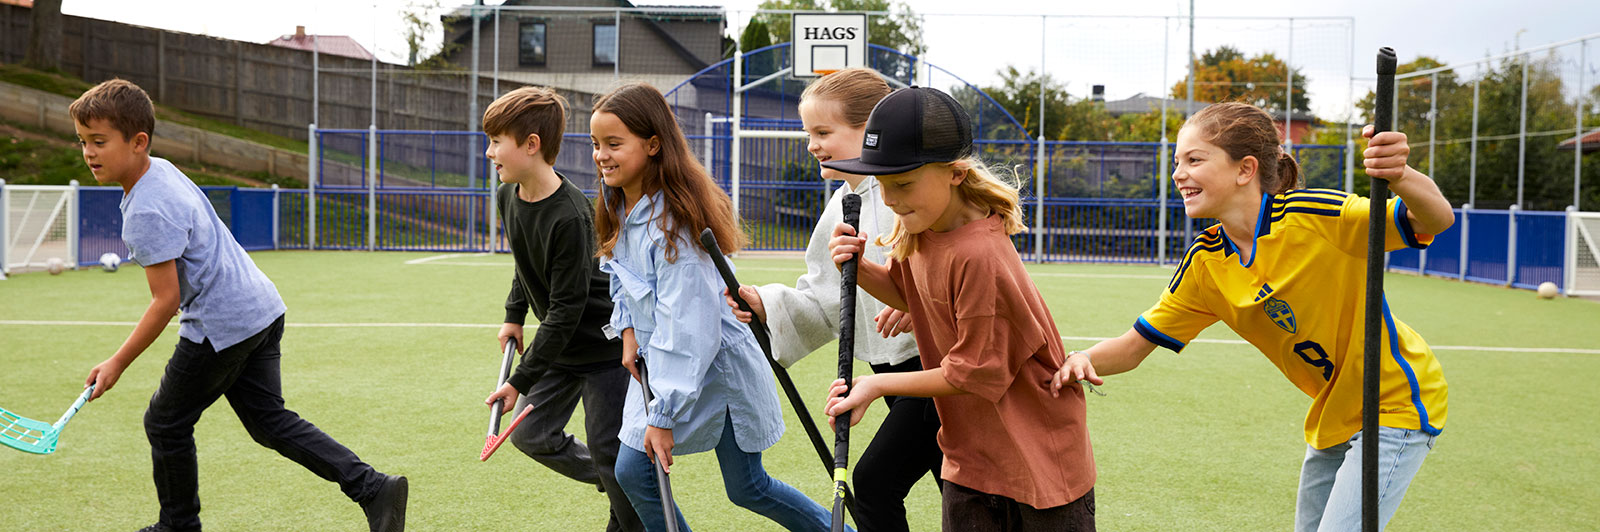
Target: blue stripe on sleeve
(1157,337)
(1403,225)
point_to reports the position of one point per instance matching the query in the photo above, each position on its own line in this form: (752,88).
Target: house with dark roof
(587,51)
(341,45)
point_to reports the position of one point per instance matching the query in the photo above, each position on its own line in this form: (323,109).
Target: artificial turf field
(393,353)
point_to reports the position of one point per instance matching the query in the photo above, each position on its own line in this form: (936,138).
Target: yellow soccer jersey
(1300,300)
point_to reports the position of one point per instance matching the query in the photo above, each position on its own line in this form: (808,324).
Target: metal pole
(1569,264)
(1350,97)
(1161,177)
(72,224)
(275,214)
(1472,161)
(472,104)
(496,67)
(316,81)
(1039,162)
(372,188)
(1288,95)
(1522,134)
(1577,147)
(1466,239)
(373,120)
(738,115)
(1511,244)
(616,44)
(5,232)
(1433,121)
(314,162)
(1189,107)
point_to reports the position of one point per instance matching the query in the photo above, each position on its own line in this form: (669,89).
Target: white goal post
(37,223)
(1583,254)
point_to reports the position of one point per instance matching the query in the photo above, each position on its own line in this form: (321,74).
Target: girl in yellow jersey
(1285,270)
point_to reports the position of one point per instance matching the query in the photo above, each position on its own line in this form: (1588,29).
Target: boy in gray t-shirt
(230,330)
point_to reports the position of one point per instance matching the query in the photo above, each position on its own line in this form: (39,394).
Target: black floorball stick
(663,484)
(1382,118)
(709,242)
(847,357)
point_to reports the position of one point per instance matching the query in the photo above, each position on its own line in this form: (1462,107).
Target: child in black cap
(1015,458)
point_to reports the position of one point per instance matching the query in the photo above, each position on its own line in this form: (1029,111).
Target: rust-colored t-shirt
(977,314)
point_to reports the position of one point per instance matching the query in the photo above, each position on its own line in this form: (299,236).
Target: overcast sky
(974,39)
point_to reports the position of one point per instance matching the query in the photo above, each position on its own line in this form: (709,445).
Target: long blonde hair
(692,199)
(981,188)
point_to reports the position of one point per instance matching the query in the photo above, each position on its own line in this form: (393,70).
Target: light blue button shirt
(223,296)
(705,366)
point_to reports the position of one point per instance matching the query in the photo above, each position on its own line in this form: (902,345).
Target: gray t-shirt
(223,296)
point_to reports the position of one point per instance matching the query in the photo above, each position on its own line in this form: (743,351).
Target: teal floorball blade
(25,434)
(37,437)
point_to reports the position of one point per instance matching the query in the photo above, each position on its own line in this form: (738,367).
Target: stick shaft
(1383,116)
(663,483)
(505,373)
(847,356)
(759,329)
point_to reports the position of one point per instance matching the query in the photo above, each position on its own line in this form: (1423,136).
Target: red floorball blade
(492,443)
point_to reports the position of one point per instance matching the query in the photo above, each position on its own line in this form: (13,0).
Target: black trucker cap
(909,128)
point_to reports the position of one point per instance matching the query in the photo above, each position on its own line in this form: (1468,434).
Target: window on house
(530,43)
(605,44)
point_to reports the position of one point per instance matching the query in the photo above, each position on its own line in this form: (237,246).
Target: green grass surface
(1207,440)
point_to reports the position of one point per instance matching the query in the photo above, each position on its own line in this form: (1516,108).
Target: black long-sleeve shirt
(557,273)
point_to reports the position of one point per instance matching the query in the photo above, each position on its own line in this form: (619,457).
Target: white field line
(48,323)
(430,262)
(426,260)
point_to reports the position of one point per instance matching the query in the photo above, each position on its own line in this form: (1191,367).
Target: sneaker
(158,527)
(386,511)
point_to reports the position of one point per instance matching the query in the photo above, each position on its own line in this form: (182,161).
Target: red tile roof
(328,44)
(1590,140)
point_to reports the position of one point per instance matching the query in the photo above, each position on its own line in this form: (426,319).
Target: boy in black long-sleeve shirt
(550,226)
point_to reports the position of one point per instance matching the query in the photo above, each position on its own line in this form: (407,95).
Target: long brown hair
(693,201)
(1245,130)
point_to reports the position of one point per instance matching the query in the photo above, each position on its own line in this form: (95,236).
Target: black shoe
(158,527)
(386,511)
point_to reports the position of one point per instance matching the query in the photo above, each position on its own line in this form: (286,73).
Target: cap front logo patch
(872,140)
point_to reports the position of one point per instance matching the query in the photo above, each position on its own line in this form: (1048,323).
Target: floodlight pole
(1039,172)
(1161,177)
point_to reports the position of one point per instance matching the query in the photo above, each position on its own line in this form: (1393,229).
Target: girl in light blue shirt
(712,389)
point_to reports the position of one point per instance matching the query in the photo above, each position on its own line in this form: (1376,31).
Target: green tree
(1227,75)
(1550,118)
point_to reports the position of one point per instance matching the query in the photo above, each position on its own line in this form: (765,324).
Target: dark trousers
(604,389)
(970,510)
(905,449)
(247,374)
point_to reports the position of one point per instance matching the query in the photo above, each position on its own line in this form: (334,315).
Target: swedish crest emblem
(1279,312)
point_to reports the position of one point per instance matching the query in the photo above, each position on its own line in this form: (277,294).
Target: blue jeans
(1330,479)
(745,481)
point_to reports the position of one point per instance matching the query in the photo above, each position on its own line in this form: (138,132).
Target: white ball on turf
(109,262)
(54,265)
(1548,290)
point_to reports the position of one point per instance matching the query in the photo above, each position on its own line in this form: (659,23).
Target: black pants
(970,510)
(542,436)
(247,374)
(905,449)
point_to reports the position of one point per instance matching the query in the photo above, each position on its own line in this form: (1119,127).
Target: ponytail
(1287,178)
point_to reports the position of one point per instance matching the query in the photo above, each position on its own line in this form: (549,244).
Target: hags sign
(824,43)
